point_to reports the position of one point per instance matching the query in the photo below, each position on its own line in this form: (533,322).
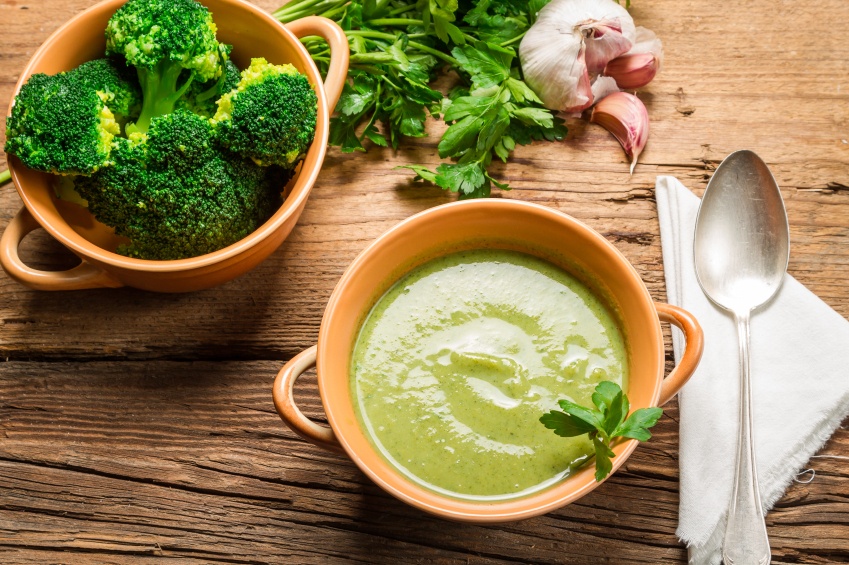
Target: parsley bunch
(603,424)
(398,49)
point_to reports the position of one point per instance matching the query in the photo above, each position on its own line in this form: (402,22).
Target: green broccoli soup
(455,364)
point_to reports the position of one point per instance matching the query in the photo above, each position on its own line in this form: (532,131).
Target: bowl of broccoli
(170,144)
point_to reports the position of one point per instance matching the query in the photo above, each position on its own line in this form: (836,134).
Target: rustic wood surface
(136,427)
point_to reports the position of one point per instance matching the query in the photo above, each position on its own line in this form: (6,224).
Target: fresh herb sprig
(399,47)
(605,422)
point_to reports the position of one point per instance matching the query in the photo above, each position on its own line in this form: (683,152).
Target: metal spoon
(742,246)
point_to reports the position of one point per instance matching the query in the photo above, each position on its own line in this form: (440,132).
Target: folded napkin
(800,384)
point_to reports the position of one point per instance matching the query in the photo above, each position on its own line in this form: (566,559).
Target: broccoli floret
(232,76)
(176,193)
(202,98)
(171,43)
(64,186)
(61,125)
(270,116)
(117,81)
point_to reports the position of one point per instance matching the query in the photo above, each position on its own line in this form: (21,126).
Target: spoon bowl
(741,249)
(742,241)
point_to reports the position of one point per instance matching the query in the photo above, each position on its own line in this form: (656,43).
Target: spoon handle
(746,541)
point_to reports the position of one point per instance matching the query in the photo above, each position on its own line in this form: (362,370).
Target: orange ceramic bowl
(253,33)
(493,223)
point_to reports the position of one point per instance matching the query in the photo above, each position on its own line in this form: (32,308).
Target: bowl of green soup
(448,337)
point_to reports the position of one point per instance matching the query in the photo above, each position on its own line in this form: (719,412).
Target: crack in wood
(28,408)
(643,194)
(639,238)
(19,321)
(154,551)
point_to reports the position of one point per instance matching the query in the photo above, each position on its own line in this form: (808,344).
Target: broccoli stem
(5,176)
(159,92)
(212,91)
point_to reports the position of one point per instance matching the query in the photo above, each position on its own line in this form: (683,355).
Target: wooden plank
(188,459)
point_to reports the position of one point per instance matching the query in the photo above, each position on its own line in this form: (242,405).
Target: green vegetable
(603,424)
(179,184)
(65,123)
(165,40)
(117,81)
(399,47)
(61,125)
(270,116)
(202,97)
(177,193)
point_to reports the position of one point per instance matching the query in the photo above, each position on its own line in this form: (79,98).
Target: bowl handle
(284,401)
(694,338)
(82,276)
(340,53)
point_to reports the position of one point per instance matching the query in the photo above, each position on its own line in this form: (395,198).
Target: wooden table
(136,426)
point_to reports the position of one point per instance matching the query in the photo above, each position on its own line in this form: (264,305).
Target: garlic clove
(638,67)
(633,70)
(626,117)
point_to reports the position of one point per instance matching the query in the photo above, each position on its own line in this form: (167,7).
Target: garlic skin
(638,66)
(626,117)
(602,87)
(606,40)
(556,69)
(648,42)
(571,41)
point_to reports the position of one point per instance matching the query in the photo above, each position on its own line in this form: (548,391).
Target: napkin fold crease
(799,361)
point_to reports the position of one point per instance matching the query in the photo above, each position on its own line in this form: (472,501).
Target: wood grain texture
(136,427)
(188,459)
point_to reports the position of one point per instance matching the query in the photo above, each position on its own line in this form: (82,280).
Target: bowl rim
(483,512)
(291,205)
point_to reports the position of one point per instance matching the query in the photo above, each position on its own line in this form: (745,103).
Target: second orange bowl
(494,223)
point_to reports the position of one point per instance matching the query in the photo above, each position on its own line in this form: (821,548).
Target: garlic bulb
(571,41)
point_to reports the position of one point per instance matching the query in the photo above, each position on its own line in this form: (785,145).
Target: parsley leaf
(603,423)
(604,394)
(356,96)
(638,424)
(486,63)
(467,179)
(566,425)
(422,173)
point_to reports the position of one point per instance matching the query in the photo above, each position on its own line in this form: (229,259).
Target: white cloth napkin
(800,384)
